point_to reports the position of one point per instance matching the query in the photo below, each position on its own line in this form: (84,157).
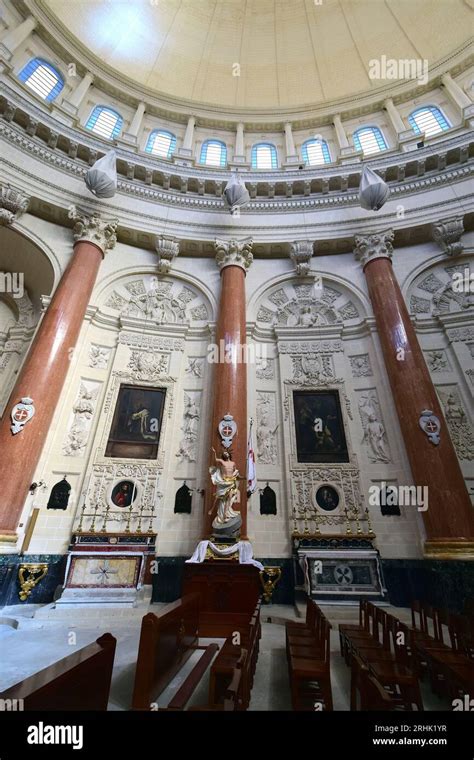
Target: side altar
(338,567)
(107,568)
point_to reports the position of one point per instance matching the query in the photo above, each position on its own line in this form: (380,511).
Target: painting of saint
(136,425)
(319,427)
(124,493)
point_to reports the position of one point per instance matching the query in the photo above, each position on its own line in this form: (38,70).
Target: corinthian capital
(376,245)
(300,254)
(13,203)
(167,248)
(233,253)
(447,233)
(93,229)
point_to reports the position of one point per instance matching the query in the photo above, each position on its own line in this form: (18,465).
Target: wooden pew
(80,681)
(166,641)
(185,691)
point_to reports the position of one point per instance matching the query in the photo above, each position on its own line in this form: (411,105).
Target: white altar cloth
(244,549)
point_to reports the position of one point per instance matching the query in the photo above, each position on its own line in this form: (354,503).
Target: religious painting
(136,426)
(327,498)
(124,493)
(319,427)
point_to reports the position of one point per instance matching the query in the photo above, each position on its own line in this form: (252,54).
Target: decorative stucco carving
(188,445)
(99,356)
(234,252)
(374,246)
(265,368)
(360,365)
(83,411)
(195,367)
(158,302)
(300,254)
(447,233)
(446,295)
(13,203)
(167,248)
(375,437)
(266,428)
(148,366)
(437,361)
(305,305)
(460,428)
(94,229)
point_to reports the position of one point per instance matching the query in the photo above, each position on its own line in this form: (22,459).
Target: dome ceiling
(262,53)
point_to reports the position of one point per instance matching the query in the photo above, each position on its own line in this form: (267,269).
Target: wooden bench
(222,670)
(166,641)
(80,681)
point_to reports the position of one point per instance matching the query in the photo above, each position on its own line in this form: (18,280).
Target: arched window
(161,143)
(213,153)
(315,152)
(42,78)
(429,120)
(105,122)
(264,156)
(369,140)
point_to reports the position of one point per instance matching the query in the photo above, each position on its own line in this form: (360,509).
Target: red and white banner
(251,471)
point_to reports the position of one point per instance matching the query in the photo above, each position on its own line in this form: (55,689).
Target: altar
(107,568)
(338,568)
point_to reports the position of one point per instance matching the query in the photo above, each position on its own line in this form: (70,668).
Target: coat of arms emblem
(21,414)
(430,425)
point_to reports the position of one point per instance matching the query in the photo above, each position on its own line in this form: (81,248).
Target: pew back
(166,642)
(80,681)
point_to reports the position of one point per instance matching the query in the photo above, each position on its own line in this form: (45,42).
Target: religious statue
(225,477)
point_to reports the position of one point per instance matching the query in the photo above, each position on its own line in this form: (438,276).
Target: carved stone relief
(360,366)
(158,301)
(99,356)
(375,437)
(302,305)
(148,366)
(444,297)
(460,428)
(266,428)
(437,360)
(195,367)
(83,412)
(265,368)
(188,445)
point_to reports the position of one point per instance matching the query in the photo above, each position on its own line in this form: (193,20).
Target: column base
(449,548)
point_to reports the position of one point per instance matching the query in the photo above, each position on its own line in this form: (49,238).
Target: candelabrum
(123,518)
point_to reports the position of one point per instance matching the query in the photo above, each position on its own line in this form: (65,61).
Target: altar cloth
(244,549)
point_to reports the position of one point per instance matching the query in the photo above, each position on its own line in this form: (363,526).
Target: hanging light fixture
(101,178)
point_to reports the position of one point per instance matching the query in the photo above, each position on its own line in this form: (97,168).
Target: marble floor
(33,637)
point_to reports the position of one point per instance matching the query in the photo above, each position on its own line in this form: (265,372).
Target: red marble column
(230,377)
(45,368)
(449,519)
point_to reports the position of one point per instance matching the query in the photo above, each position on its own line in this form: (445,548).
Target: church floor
(41,639)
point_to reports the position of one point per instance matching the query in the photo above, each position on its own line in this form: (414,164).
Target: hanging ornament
(101,178)
(373,191)
(235,193)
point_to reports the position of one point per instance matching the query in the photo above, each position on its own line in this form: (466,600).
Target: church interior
(237,356)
